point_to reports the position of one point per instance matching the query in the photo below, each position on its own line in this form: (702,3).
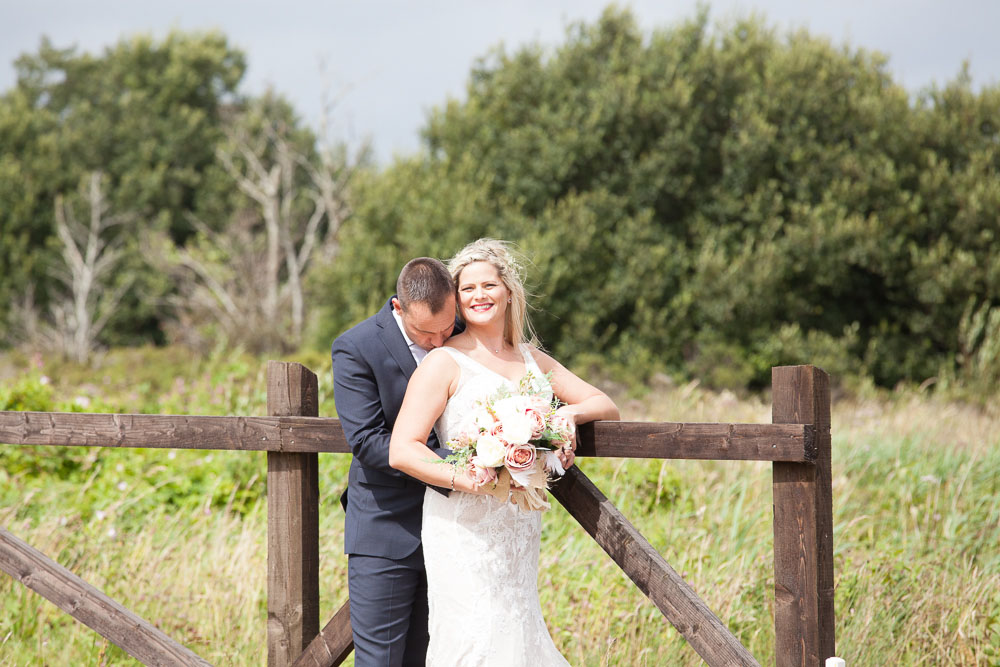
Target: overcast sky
(390,61)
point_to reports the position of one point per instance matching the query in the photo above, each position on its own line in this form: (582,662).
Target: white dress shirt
(418,352)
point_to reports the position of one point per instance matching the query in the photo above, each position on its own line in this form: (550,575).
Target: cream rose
(512,405)
(483,419)
(490,451)
(517,428)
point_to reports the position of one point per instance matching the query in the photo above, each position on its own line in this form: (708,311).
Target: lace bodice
(481,556)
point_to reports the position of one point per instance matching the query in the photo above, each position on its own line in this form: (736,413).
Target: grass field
(180,537)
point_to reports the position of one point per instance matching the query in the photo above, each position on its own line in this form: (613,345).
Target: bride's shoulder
(437,368)
(440,355)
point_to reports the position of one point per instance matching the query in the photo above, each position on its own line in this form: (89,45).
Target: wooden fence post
(292,522)
(803,524)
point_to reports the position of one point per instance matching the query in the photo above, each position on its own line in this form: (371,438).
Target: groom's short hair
(425,280)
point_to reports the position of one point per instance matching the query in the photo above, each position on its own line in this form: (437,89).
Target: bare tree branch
(77,317)
(246,281)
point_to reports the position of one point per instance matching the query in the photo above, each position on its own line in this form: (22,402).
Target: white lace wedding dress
(481,557)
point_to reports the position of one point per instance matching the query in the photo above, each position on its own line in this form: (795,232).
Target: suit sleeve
(359,408)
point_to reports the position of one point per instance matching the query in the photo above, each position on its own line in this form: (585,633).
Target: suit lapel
(393,340)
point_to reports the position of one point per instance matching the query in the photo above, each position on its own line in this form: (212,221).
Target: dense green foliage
(152,117)
(709,201)
(705,201)
(144,113)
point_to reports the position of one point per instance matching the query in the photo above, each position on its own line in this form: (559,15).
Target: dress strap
(529,358)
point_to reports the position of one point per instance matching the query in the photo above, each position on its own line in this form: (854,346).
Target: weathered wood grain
(667,440)
(803,524)
(90,606)
(671,440)
(651,573)
(292,522)
(278,434)
(331,646)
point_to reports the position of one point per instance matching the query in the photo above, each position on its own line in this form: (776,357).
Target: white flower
(100,514)
(510,406)
(483,419)
(490,451)
(82,401)
(517,428)
(112,532)
(122,486)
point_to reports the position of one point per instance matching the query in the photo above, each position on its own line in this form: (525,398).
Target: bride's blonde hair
(517,327)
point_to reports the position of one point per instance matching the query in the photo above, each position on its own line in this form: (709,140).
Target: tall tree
(89,296)
(247,279)
(146,114)
(715,200)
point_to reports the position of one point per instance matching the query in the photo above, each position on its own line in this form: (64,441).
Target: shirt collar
(418,352)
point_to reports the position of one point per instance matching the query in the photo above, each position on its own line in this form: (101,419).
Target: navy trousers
(388,610)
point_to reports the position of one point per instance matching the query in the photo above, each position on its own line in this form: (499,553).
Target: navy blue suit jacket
(371,368)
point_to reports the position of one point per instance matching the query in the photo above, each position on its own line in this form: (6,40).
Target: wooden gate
(797,442)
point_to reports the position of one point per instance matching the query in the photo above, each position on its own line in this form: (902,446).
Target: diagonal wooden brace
(649,571)
(76,597)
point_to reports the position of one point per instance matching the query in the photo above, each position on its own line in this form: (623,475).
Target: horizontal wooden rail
(267,434)
(794,443)
(90,606)
(719,442)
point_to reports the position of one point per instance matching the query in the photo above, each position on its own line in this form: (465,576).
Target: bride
(481,553)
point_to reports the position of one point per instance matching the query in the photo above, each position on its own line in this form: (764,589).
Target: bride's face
(482,296)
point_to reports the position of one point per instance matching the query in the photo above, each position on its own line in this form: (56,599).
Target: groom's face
(426,329)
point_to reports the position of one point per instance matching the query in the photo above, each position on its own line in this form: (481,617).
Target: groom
(372,363)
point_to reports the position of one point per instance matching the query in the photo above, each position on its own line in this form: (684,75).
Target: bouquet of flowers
(509,443)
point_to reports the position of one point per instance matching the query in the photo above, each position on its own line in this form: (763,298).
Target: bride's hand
(567,453)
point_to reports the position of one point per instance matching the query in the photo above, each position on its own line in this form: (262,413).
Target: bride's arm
(427,394)
(584,402)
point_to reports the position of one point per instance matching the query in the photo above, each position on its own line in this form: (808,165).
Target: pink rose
(496,429)
(519,457)
(537,420)
(481,475)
